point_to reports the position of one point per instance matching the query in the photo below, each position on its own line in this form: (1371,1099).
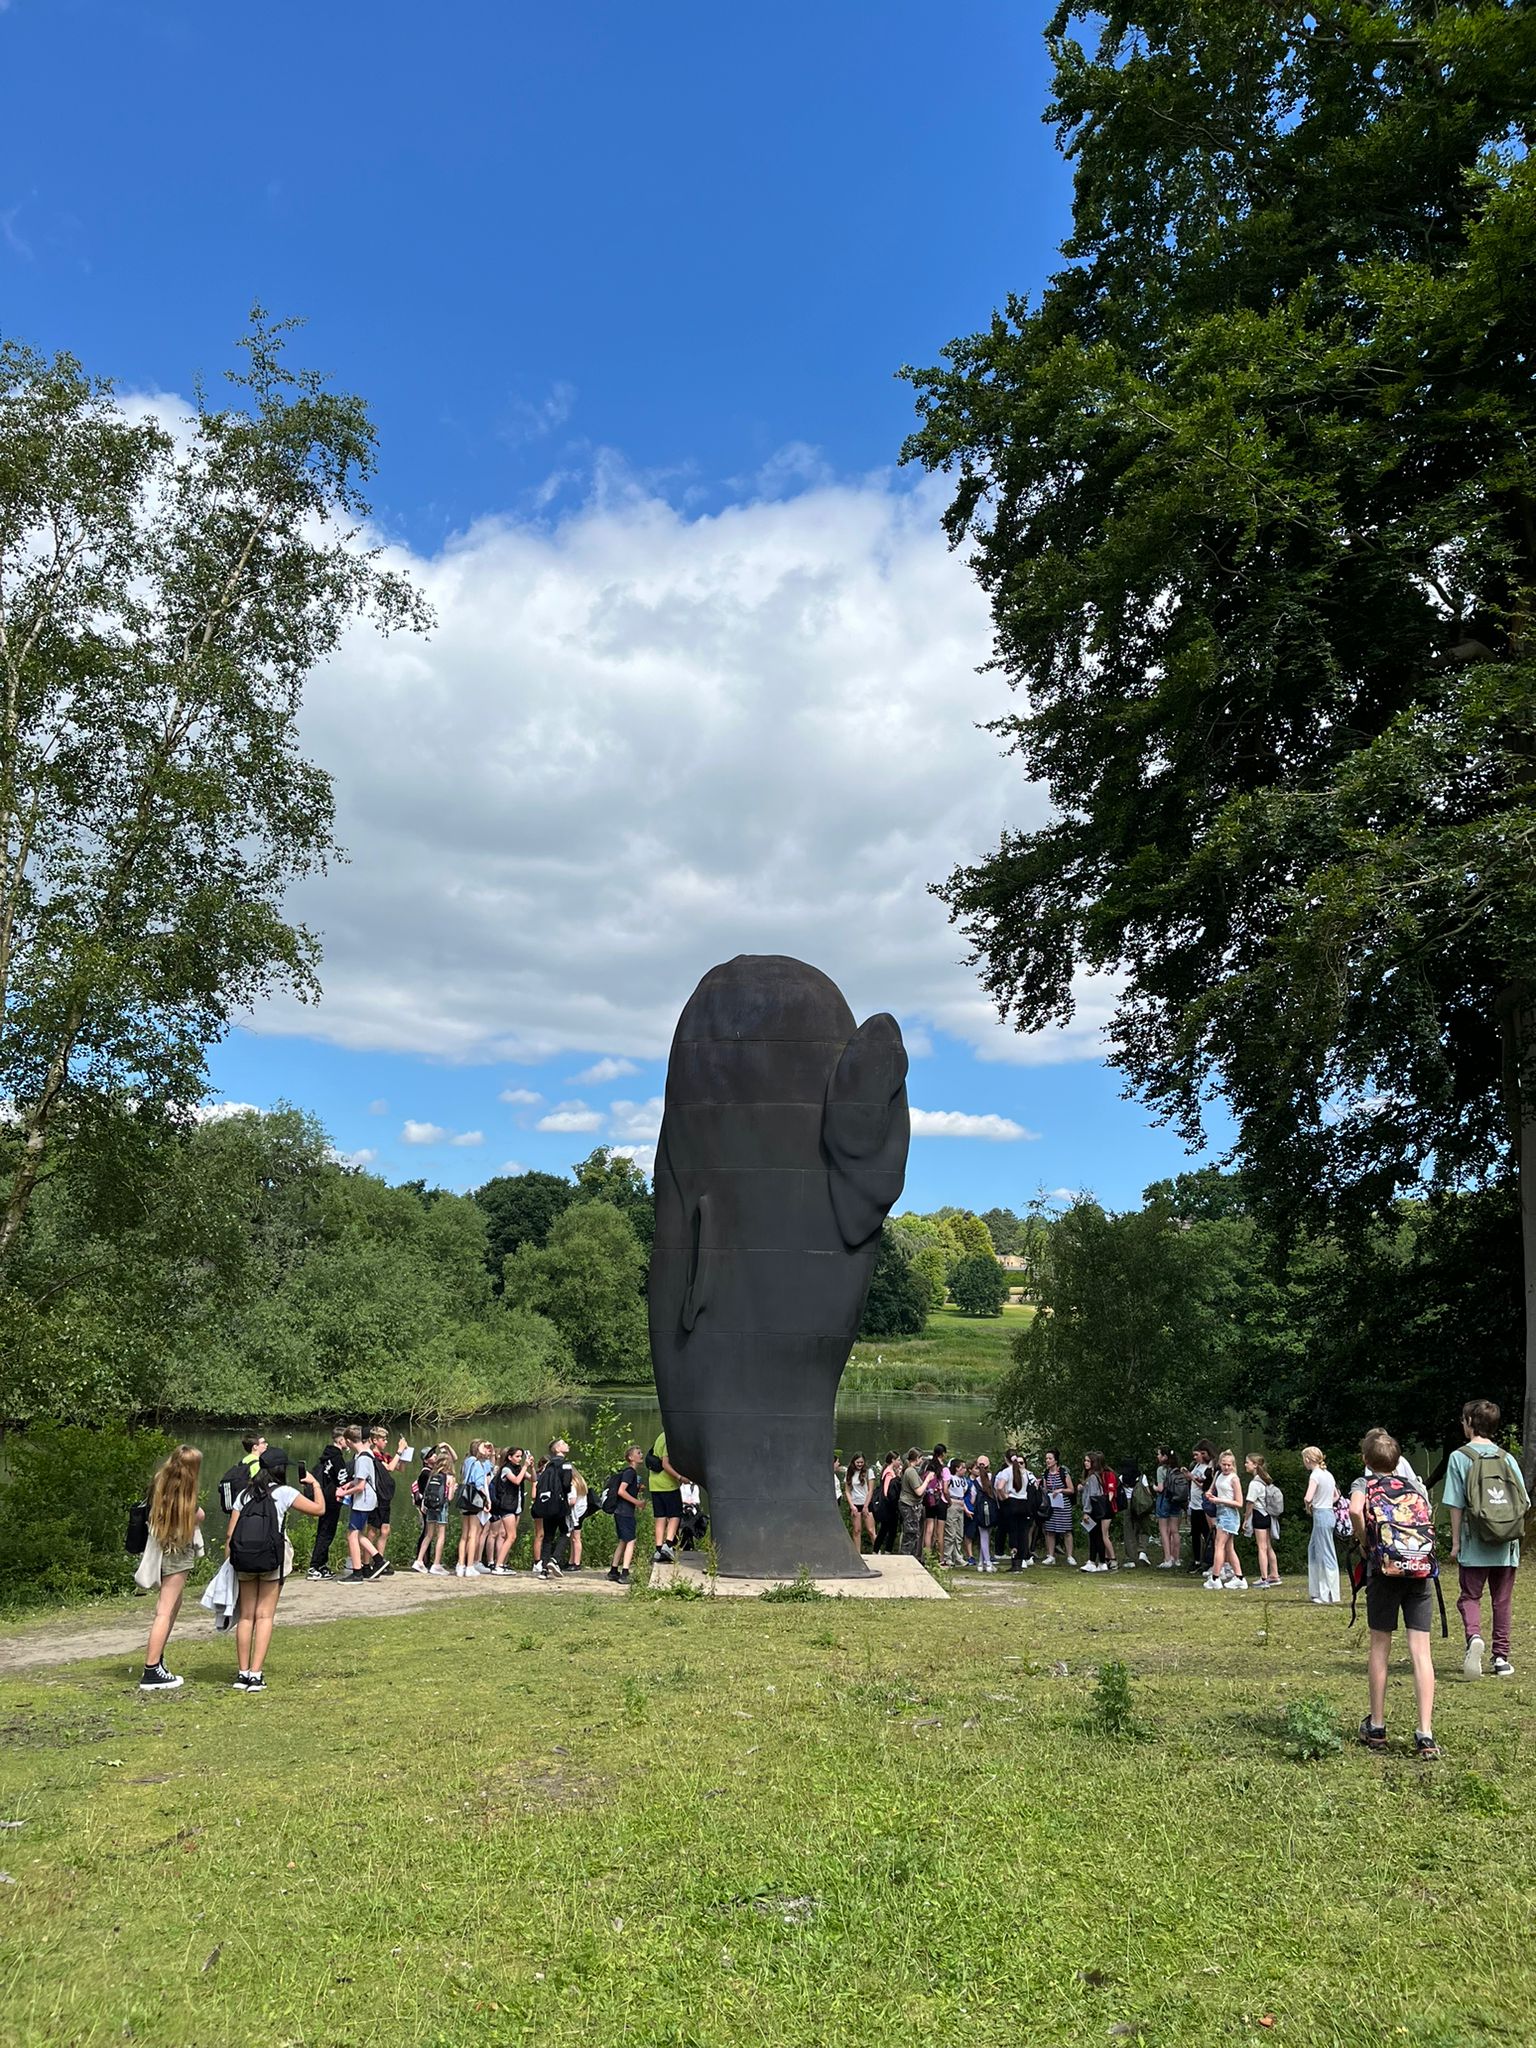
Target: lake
(871,1423)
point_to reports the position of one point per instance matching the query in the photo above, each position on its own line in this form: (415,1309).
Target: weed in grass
(684,1589)
(1113,1713)
(1470,1792)
(637,1701)
(1311,1730)
(801,1587)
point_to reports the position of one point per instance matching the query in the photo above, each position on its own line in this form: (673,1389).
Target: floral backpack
(1399,1538)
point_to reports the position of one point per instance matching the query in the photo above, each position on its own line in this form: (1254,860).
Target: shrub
(979,1285)
(64,1502)
(1311,1729)
(800,1587)
(1112,1711)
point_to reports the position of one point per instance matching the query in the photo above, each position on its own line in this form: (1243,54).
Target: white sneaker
(1142,1557)
(1047,1560)
(418,1566)
(537,1571)
(1472,1663)
(552,1570)
(1211,1583)
(458,1571)
(1167,1565)
(439,1571)
(1235,1585)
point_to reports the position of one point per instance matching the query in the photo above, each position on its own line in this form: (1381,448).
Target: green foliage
(1004,1229)
(1113,1712)
(796,1591)
(520,1209)
(608,1176)
(65,1492)
(255,1276)
(1250,488)
(932,1268)
(897,1302)
(164,598)
(979,1285)
(1312,1729)
(586,1280)
(1141,1326)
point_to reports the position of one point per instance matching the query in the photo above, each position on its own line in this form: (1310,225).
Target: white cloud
(221,1112)
(638,744)
(644,1157)
(604,1071)
(378,1107)
(511,1166)
(363,1156)
(520,1095)
(468,1138)
(954,1123)
(413,1133)
(637,1121)
(571,1116)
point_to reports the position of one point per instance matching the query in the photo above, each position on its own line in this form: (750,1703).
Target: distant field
(956,1354)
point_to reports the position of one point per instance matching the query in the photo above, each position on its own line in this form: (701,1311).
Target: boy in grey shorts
(1388,1599)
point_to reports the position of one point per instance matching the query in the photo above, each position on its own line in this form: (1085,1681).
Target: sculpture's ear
(866,1128)
(696,1300)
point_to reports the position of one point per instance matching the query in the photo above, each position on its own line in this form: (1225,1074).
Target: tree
(897,1302)
(1252,490)
(521,1208)
(931,1266)
(1140,1332)
(979,1285)
(162,600)
(1004,1229)
(968,1233)
(612,1177)
(586,1280)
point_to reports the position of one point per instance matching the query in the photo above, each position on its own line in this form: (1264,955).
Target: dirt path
(65,1641)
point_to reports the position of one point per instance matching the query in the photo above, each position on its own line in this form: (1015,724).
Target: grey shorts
(1386,1599)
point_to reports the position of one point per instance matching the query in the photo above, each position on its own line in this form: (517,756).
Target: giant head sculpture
(783,1147)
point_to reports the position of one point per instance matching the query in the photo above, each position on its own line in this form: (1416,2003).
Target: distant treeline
(239,1269)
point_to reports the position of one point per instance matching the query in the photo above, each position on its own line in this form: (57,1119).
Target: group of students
(355,1475)
(961,1512)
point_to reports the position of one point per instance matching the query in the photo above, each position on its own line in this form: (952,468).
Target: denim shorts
(1228,1521)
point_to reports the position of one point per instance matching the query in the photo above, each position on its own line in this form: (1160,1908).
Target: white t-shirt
(365,1495)
(1326,1490)
(283,1498)
(1258,1495)
(1004,1487)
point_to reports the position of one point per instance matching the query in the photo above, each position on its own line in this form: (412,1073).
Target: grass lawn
(549,1821)
(956,1354)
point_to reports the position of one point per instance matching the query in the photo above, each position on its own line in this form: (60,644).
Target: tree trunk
(1517,1018)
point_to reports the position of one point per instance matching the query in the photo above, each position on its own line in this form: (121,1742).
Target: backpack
(136,1541)
(1496,1497)
(1141,1498)
(257,1544)
(608,1502)
(233,1484)
(1342,1525)
(549,1493)
(383,1488)
(434,1492)
(1176,1490)
(1399,1528)
(1274,1501)
(1036,1506)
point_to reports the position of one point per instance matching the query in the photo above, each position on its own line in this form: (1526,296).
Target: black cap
(274,1459)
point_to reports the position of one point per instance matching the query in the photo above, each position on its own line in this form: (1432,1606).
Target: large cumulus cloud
(639,743)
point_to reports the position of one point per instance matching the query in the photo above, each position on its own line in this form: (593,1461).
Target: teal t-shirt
(1475,1549)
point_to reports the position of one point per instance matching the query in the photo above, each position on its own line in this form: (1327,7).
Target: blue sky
(626,290)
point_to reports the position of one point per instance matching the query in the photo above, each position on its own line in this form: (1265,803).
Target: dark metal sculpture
(783,1147)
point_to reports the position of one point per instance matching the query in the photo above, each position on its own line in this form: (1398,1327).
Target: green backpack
(1496,1497)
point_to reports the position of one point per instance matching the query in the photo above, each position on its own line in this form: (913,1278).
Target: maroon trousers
(1499,1580)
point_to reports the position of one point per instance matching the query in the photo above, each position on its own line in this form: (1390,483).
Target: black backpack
(608,1502)
(434,1492)
(136,1541)
(549,1493)
(257,1544)
(383,1486)
(1176,1490)
(233,1484)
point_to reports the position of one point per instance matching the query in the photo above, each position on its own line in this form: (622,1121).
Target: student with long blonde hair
(174,1522)
(1223,1503)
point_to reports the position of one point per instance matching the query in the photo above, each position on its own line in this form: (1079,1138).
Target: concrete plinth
(888,1578)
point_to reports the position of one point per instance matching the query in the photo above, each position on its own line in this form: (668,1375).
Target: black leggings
(325,1530)
(1201,1547)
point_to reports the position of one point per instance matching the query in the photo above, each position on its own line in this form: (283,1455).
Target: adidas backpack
(1497,1501)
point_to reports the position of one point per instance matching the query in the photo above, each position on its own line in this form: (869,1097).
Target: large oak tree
(1252,489)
